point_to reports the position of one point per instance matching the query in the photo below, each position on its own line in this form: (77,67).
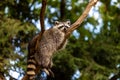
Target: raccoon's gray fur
(40,51)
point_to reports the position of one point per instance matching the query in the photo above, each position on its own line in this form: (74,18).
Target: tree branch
(2,77)
(42,13)
(81,18)
(62,10)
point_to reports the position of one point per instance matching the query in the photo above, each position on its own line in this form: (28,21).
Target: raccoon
(41,50)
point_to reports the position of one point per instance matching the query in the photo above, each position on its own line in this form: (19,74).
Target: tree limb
(62,9)
(81,18)
(2,77)
(42,13)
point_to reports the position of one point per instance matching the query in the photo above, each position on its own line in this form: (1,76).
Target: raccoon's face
(63,26)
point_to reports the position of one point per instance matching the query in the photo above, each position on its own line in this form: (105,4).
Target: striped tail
(33,70)
(31,67)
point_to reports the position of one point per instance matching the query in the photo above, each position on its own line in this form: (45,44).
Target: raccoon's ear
(57,22)
(68,22)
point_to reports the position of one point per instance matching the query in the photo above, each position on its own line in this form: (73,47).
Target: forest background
(93,50)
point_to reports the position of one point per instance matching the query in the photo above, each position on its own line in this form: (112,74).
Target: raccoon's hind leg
(48,70)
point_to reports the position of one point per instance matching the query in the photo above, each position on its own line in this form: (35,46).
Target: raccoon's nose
(65,28)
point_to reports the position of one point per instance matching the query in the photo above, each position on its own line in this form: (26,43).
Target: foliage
(94,54)
(13,44)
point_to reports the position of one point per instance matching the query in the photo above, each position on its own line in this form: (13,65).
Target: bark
(77,23)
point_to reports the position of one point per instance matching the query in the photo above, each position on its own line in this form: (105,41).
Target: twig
(81,18)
